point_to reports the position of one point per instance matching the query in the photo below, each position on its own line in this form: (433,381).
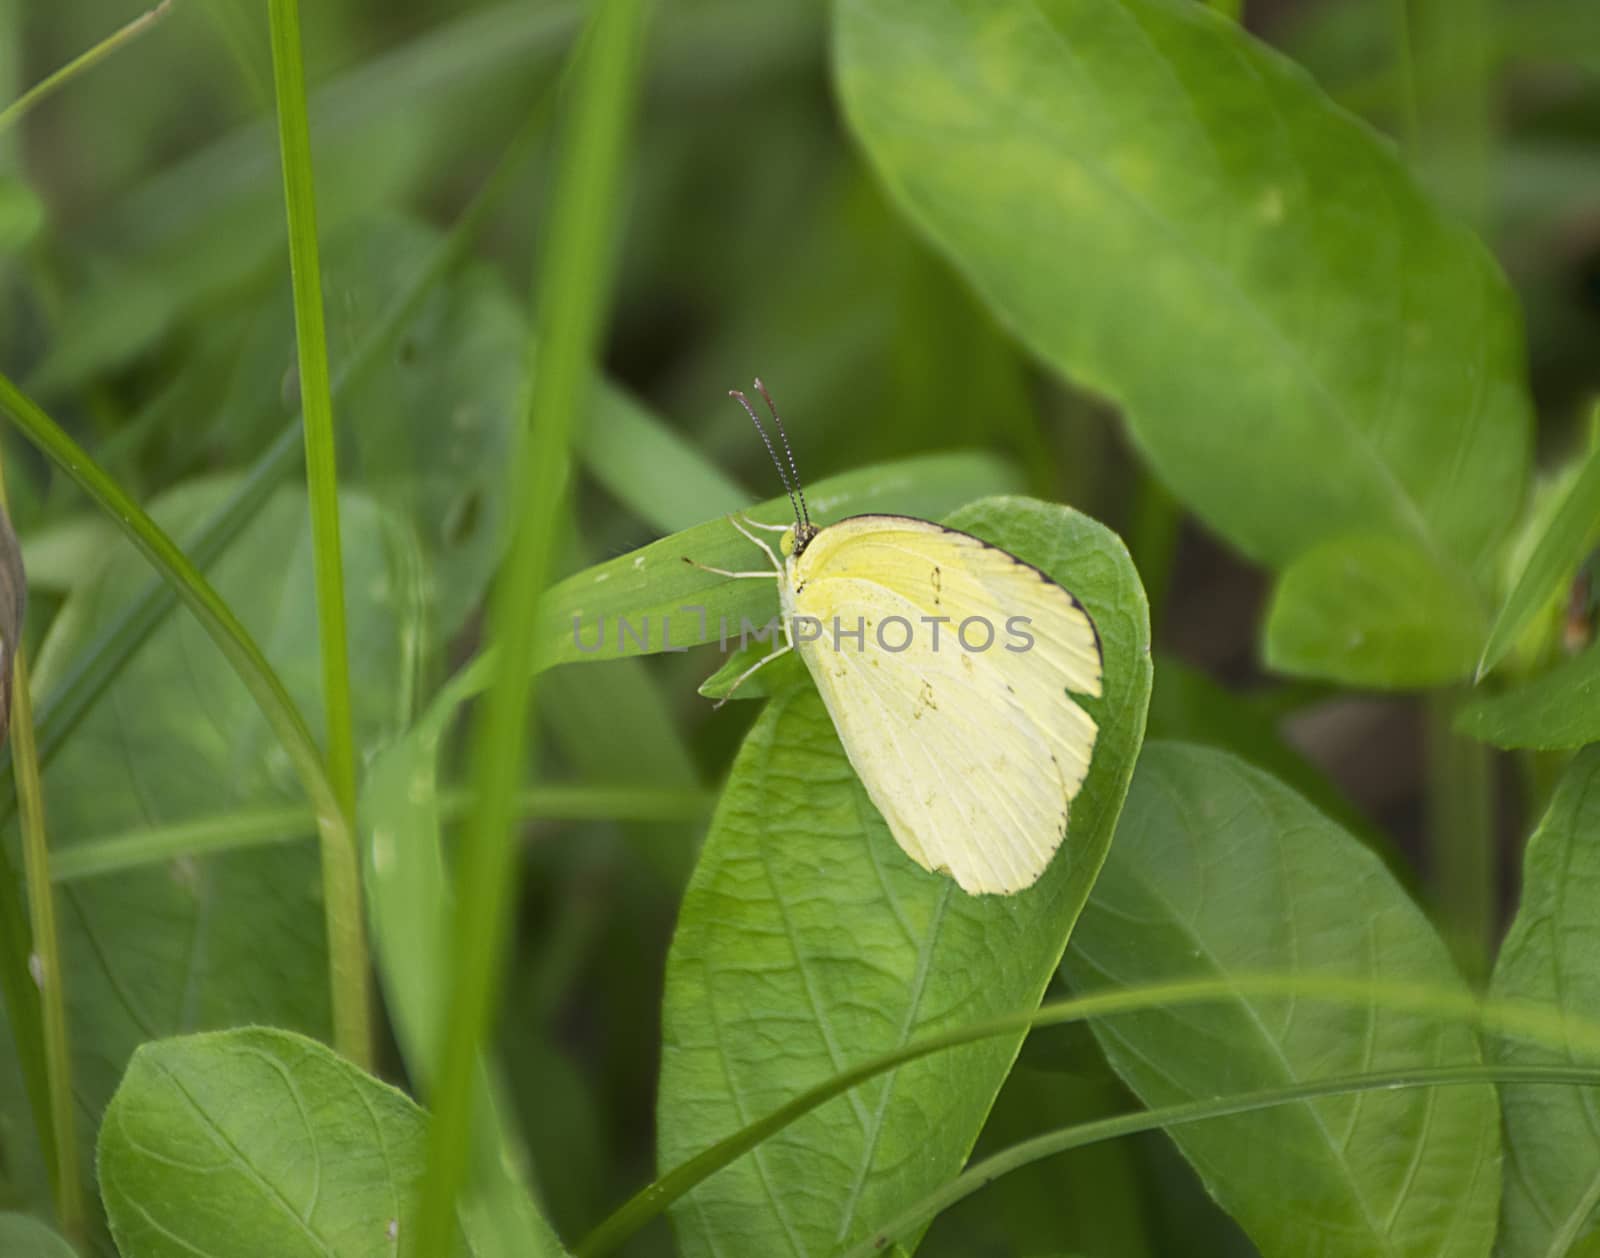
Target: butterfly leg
(749,536)
(742,677)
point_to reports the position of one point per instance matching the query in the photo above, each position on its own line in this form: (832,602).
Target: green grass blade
(341,863)
(571,305)
(1078,1135)
(316,399)
(14,112)
(345,942)
(1569,538)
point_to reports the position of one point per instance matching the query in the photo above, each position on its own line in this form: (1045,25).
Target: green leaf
(1552,957)
(670,606)
(1558,709)
(1375,612)
(808,941)
(1566,541)
(1173,215)
(1220,871)
(179,946)
(409,902)
(258,1141)
(25,1237)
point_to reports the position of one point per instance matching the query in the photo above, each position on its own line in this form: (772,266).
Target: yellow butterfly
(946,665)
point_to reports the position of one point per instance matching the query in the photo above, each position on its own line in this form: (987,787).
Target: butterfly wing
(973,756)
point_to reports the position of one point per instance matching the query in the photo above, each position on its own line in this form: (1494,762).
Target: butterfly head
(796,538)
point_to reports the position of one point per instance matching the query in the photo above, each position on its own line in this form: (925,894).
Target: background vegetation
(1273,342)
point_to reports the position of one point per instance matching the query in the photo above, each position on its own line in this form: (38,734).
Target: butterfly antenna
(771,454)
(805,511)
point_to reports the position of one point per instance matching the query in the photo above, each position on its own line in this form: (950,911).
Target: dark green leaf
(808,941)
(1552,957)
(1219,870)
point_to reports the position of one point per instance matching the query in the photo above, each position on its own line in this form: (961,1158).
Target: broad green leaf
(1220,870)
(25,1237)
(205,942)
(1568,538)
(1171,214)
(408,898)
(1374,612)
(1552,957)
(1556,710)
(668,605)
(258,1141)
(808,941)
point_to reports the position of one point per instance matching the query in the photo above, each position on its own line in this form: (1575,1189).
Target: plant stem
(13,113)
(1461,837)
(1404,71)
(1153,540)
(341,863)
(1456,106)
(45,961)
(571,302)
(1452,78)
